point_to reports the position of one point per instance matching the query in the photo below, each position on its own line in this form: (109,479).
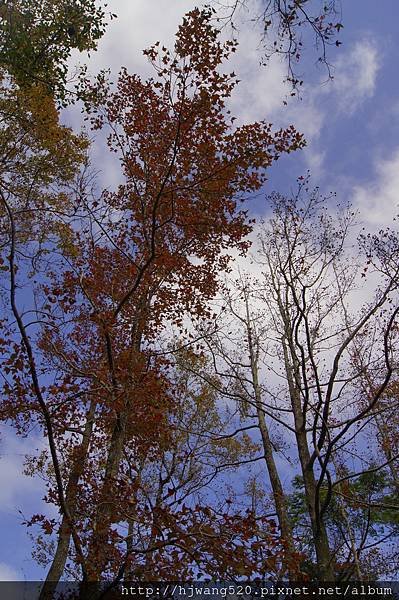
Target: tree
(308,335)
(37,38)
(243,384)
(178,483)
(310,280)
(385,421)
(87,364)
(169,529)
(40,164)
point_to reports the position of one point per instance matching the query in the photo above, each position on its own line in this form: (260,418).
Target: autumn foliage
(108,275)
(168,396)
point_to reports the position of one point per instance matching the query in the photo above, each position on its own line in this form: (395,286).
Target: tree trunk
(277,489)
(320,539)
(97,557)
(64,534)
(275,482)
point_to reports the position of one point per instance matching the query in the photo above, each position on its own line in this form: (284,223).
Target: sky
(351,124)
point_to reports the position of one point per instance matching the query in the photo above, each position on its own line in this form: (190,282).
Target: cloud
(356,75)
(322,105)
(262,90)
(379,199)
(138,25)
(8,573)
(16,488)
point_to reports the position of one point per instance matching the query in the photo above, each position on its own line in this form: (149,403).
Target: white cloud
(309,119)
(356,75)
(378,200)
(353,84)
(8,573)
(16,488)
(262,90)
(138,25)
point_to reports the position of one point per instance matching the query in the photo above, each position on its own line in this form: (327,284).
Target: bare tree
(307,293)
(238,360)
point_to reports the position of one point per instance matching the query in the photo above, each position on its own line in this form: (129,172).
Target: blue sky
(352,128)
(354,150)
